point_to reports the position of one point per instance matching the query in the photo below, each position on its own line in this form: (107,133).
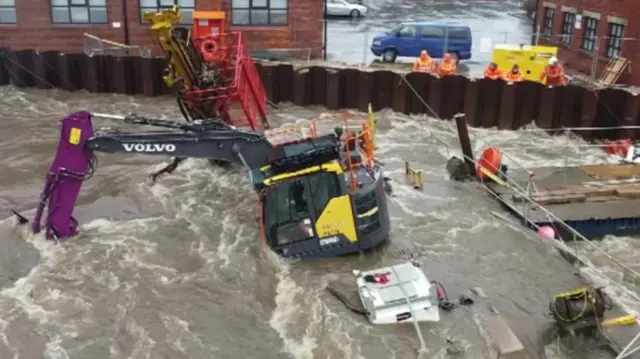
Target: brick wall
(572,55)
(36,31)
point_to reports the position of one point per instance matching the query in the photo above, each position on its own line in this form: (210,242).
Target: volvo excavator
(320,191)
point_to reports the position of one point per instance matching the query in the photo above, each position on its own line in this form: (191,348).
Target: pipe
(324,45)
(125,23)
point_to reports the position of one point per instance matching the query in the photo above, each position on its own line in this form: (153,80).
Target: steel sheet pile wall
(486,103)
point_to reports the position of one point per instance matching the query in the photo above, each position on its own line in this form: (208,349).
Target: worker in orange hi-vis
(553,74)
(423,63)
(447,66)
(493,72)
(514,75)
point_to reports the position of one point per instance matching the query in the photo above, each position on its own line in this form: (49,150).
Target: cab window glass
(323,186)
(431,32)
(289,218)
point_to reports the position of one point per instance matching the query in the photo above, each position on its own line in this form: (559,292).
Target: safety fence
(94,45)
(486,103)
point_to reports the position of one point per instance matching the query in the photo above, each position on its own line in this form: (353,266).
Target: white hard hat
(553,60)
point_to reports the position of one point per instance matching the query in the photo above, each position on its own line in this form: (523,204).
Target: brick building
(286,25)
(589,33)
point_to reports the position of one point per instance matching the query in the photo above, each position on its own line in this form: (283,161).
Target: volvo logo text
(141,147)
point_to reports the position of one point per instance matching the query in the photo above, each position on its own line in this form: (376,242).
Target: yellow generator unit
(530,59)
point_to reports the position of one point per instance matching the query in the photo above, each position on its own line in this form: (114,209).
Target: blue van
(410,38)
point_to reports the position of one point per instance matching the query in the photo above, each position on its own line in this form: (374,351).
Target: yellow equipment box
(530,59)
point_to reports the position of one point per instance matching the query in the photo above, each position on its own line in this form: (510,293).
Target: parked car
(344,8)
(410,38)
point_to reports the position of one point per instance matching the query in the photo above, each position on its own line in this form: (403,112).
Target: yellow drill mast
(175,42)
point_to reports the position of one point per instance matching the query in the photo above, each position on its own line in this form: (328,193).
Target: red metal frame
(241,82)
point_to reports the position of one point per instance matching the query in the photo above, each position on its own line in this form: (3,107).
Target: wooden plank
(628,192)
(502,336)
(603,199)
(560,199)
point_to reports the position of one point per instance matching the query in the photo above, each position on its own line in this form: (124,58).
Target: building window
(589,35)
(186,8)
(547,28)
(258,12)
(79,11)
(567,27)
(8,12)
(616,33)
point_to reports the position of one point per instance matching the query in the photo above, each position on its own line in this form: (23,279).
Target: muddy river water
(177,270)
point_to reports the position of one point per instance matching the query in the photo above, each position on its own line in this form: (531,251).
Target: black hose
(346,303)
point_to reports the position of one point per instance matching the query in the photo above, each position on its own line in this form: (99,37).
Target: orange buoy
(623,147)
(491,161)
(609,147)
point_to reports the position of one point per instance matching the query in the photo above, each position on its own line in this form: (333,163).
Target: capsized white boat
(396,294)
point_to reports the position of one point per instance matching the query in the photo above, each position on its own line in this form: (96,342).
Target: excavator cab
(330,203)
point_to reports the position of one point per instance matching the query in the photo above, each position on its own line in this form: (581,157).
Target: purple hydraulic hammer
(72,164)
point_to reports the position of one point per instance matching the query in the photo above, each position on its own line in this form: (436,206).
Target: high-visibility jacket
(513,76)
(447,68)
(494,74)
(553,75)
(420,65)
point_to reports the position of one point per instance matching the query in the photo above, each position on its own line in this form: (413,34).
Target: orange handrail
(362,137)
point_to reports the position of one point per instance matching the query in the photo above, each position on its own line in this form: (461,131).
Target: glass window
(187,7)
(78,11)
(547,28)
(324,186)
(287,212)
(567,27)
(458,33)
(407,31)
(589,35)
(259,12)
(614,45)
(432,32)
(8,14)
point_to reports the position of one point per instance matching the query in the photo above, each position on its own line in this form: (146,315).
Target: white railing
(94,45)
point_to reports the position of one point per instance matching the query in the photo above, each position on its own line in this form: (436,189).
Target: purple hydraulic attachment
(72,164)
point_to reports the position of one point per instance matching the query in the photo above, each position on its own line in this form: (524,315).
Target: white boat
(397,294)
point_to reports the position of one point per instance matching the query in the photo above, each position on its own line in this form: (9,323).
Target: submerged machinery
(320,192)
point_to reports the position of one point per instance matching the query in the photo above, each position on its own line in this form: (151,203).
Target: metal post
(324,55)
(537,37)
(596,55)
(423,346)
(446,43)
(364,51)
(567,133)
(626,352)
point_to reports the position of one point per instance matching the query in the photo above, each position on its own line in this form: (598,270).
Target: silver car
(344,8)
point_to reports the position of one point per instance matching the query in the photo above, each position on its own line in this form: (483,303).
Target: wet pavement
(491,23)
(177,269)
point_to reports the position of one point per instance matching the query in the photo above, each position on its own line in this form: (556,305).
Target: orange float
(618,148)
(491,161)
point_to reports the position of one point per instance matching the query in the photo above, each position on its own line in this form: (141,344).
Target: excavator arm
(212,140)
(75,161)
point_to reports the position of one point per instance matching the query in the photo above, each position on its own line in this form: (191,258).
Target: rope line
(515,187)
